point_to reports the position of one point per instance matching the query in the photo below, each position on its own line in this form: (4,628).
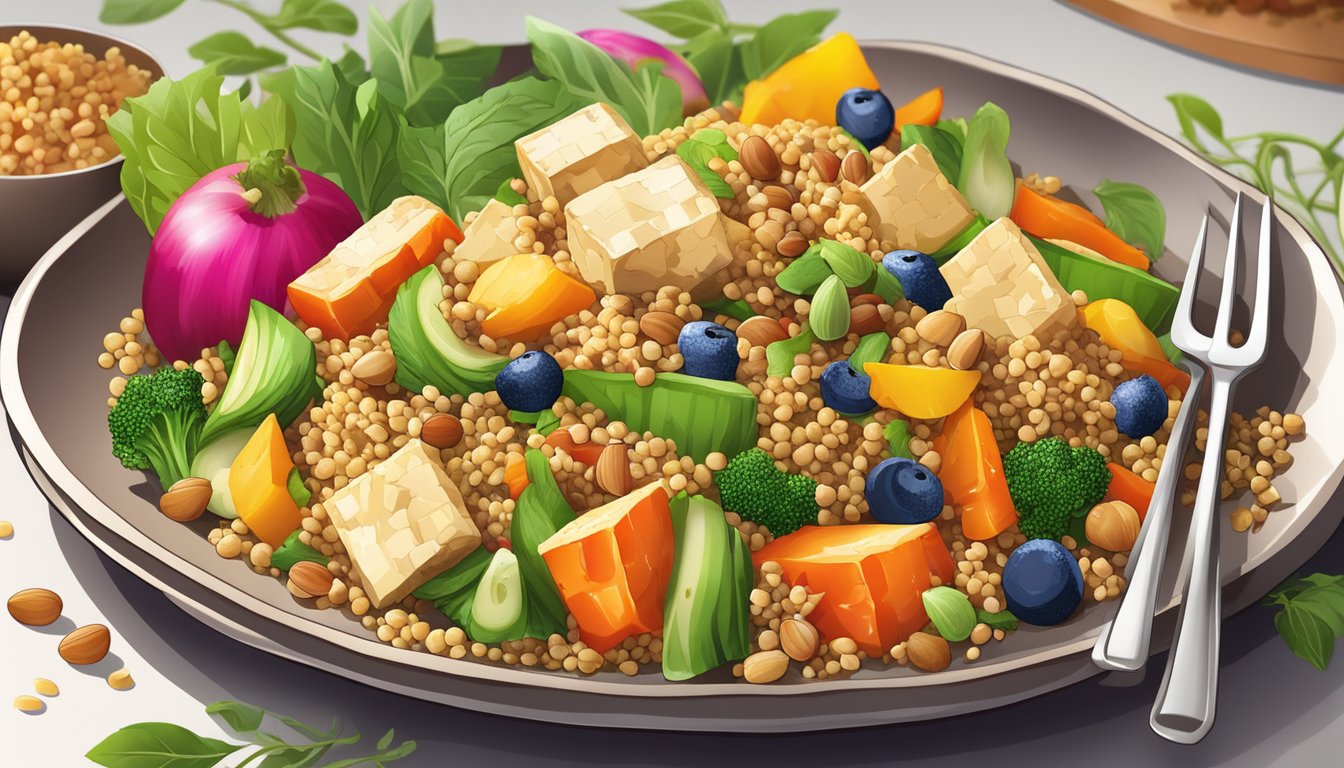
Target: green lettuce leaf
(346,133)
(1135,214)
(177,132)
(986,177)
(648,100)
(460,164)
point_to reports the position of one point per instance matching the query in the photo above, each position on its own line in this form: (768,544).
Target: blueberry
(866,114)
(903,492)
(530,382)
(1042,583)
(920,279)
(709,349)
(845,389)
(1140,406)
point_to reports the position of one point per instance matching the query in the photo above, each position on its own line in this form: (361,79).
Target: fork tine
(1257,338)
(1183,330)
(1223,328)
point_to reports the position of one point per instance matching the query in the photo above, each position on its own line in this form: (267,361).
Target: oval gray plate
(55,395)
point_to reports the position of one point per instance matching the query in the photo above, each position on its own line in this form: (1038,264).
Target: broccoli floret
(156,423)
(753,487)
(1051,483)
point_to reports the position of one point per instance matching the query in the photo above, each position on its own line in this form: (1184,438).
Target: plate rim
(24,428)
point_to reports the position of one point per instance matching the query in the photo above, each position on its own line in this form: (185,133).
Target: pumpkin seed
(849,264)
(950,611)
(830,310)
(805,274)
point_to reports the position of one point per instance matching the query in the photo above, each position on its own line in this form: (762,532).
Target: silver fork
(1123,643)
(1186,700)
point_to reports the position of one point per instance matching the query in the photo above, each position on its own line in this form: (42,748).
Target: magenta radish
(633,50)
(243,232)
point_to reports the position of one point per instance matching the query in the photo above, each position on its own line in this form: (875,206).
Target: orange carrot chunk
(872,574)
(972,474)
(350,291)
(612,566)
(1049,217)
(1130,488)
(924,109)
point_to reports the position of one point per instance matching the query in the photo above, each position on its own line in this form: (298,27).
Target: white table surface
(1274,708)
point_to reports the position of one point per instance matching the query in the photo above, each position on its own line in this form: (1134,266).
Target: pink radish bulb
(633,50)
(242,232)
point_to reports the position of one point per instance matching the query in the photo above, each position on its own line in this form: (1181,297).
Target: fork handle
(1184,709)
(1123,644)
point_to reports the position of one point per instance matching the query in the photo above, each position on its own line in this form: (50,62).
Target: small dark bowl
(36,210)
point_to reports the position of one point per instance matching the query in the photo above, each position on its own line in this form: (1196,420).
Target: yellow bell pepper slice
(920,392)
(259,482)
(807,86)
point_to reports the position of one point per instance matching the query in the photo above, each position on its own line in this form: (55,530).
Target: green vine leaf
(159,745)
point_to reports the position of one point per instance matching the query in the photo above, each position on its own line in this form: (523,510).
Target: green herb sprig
(233,52)
(1266,159)
(165,745)
(1311,618)
(727,54)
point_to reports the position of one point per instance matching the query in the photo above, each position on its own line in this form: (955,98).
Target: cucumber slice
(701,415)
(272,373)
(428,350)
(212,463)
(1151,297)
(497,611)
(706,615)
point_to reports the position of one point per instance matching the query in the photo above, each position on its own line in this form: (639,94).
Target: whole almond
(1113,525)
(798,639)
(758,159)
(792,244)
(186,499)
(965,350)
(865,318)
(827,164)
(778,197)
(86,645)
(442,430)
(613,470)
(856,167)
(760,331)
(662,327)
(765,666)
(940,327)
(312,579)
(866,298)
(375,368)
(930,653)
(35,607)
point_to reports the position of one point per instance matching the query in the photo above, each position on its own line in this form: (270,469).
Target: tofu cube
(652,228)
(909,202)
(489,237)
(1002,286)
(402,522)
(579,153)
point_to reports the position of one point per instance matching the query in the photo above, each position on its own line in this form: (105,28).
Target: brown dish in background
(1292,37)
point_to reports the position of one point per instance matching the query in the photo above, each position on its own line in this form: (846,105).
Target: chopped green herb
(897,433)
(779,355)
(1004,620)
(292,551)
(1135,214)
(1311,618)
(872,348)
(738,309)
